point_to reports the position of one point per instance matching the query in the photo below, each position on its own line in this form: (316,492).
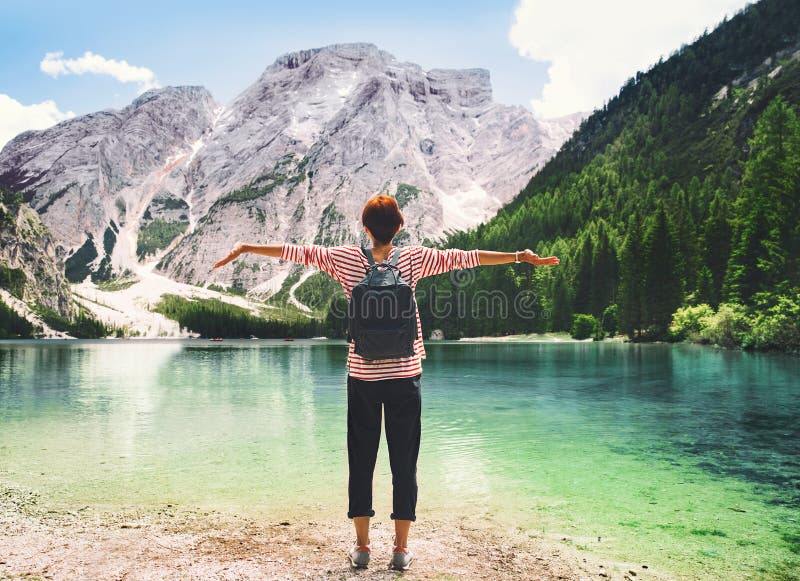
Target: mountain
(680,194)
(29,267)
(35,297)
(174,178)
(82,174)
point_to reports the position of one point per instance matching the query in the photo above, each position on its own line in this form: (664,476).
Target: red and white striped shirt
(348,266)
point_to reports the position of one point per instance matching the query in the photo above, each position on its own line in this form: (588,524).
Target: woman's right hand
(237,249)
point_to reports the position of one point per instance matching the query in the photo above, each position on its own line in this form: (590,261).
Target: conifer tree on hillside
(561,311)
(715,244)
(605,271)
(582,302)
(663,286)
(631,284)
(764,255)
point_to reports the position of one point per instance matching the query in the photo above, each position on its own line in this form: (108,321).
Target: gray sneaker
(401,559)
(359,556)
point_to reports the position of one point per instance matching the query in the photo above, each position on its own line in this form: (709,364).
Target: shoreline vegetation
(168,541)
(693,337)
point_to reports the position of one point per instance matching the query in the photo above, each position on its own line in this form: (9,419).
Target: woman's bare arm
(527,255)
(273,250)
(486,257)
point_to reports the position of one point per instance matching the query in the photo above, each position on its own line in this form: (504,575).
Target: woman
(389,384)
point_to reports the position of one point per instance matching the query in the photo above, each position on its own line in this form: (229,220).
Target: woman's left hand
(237,249)
(531,257)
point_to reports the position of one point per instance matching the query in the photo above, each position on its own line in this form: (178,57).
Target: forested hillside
(674,208)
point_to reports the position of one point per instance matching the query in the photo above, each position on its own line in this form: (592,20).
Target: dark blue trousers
(401,402)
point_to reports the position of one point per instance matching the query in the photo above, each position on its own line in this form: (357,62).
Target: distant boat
(289,339)
(253,337)
(215,339)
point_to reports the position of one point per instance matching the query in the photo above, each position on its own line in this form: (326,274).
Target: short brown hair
(382,216)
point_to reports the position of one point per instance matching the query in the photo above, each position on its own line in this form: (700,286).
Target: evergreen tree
(605,271)
(582,303)
(766,211)
(662,280)
(715,244)
(631,282)
(705,291)
(686,232)
(561,312)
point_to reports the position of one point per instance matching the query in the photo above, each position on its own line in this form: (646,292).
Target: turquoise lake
(683,457)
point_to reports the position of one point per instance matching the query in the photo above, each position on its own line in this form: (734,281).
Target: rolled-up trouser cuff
(402,517)
(351,514)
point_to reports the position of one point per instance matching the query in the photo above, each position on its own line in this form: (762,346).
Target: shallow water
(682,457)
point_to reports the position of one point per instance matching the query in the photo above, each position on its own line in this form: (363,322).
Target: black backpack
(382,320)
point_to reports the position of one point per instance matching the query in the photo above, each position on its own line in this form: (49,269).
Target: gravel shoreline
(176,543)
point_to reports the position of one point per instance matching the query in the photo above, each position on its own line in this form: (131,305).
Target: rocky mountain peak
(168,95)
(354,53)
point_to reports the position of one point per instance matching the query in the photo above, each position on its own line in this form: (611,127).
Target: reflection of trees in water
(52,369)
(732,412)
(270,393)
(727,411)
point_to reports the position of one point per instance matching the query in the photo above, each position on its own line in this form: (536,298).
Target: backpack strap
(368,253)
(396,256)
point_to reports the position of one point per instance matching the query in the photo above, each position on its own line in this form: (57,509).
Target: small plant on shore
(689,322)
(584,326)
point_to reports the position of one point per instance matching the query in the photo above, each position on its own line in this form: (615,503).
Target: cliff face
(30,270)
(92,178)
(174,178)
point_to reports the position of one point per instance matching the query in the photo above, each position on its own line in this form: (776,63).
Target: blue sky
(224,46)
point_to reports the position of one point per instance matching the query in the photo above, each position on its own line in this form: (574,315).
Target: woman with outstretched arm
(388,385)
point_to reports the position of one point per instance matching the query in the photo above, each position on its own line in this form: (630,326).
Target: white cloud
(55,65)
(16,117)
(594,47)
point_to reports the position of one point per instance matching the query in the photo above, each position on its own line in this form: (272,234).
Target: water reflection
(701,401)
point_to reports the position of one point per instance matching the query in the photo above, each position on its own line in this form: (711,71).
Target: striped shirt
(348,266)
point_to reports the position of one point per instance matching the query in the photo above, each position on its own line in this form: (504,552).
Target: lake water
(682,457)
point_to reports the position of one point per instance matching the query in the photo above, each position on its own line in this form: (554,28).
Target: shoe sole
(355,565)
(394,567)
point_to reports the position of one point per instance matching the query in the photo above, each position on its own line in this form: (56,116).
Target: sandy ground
(131,307)
(173,543)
